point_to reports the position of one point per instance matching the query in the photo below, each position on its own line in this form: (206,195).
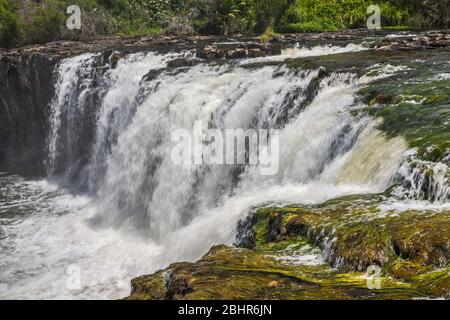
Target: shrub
(331,15)
(9,24)
(416,21)
(45,23)
(95,21)
(143,17)
(116,6)
(31,21)
(268,12)
(243,16)
(309,26)
(180,25)
(268,35)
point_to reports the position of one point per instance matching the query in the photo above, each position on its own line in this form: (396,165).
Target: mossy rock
(149,288)
(425,240)
(414,103)
(355,234)
(405,269)
(231,273)
(436,282)
(350,234)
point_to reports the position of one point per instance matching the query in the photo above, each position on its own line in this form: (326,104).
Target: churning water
(115,206)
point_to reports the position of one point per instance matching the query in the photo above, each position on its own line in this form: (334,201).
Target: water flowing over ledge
(126,209)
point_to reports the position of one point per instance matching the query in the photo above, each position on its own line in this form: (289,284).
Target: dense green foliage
(35,21)
(9,23)
(312,15)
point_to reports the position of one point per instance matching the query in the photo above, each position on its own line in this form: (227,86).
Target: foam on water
(40,251)
(395,207)
(51,236)
(299,51)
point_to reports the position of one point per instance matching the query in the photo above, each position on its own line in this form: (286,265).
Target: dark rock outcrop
(26,88)
(430,40)
(238,50)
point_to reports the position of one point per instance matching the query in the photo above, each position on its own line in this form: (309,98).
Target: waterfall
(298,51)
(111,134)
(375,159)
(423,180)
(116,205)
(71,122)
(93,103)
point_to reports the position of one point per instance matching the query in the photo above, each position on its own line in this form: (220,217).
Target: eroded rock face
(26,91)
(26,88)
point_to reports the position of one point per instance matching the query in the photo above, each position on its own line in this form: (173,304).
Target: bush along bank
(38,21)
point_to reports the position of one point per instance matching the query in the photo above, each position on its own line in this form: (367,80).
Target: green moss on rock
(412,249)
(436,282)
(415,104)
(406,270)
(149,288)
(230,273)
(356,234)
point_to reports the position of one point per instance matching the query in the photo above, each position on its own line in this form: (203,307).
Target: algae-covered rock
(231,273)
(356,234)
(348,243)
(413,100)
(423,239)
(146,288)
(328,251)
(436,282)
(406,270)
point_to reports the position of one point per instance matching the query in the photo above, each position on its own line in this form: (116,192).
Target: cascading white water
(423,180)
(75,75)
(299,51)
(142,186)
(129,182)
(93,103)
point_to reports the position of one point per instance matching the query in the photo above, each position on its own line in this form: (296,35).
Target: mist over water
(116,206)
